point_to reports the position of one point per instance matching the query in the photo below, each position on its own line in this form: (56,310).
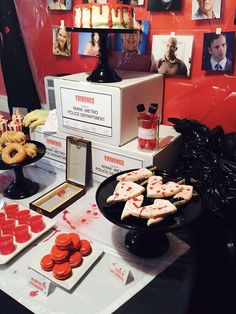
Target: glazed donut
(31,150)
(13,137)
(2,145)
(13,153)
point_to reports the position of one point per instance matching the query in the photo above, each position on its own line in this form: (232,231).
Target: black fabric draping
(18,79)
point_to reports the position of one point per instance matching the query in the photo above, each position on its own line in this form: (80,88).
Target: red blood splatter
(88,211)
(7,29)
(70,224)
(95,214)
(94,205)
(64,215)
(117,194)
(83,220)
(33,293)
(53,233)
(61,193)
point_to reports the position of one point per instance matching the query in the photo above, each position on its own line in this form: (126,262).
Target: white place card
(118,270)
(38,282)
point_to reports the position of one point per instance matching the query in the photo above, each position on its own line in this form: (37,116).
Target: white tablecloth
(99,292)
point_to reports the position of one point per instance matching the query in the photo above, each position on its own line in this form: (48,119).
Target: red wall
(207,97)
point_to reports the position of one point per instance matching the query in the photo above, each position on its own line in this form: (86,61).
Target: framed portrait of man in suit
(218,51)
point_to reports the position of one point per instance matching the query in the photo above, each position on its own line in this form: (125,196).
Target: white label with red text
(87,111)
(118,270)
(38,282)
(105,163)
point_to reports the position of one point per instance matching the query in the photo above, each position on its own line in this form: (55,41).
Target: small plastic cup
(1,223)
(23,216)
(21,233)
(8,226)
(6,244)
(36,223)
(11,210)
(2,216)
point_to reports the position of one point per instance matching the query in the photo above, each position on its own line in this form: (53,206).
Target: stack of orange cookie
(66,253)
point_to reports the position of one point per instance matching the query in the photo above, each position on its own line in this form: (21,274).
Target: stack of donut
(14,148)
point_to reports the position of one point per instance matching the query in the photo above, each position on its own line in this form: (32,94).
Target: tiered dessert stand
(103,73)
(143,240)
(22,187)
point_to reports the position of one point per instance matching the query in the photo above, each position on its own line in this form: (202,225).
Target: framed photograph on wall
(59,4)
(89,44)
(133,42)
(133,3)
(163,5)
(61,41)
(171,55)
(218,51)
(202,10)
(94,1)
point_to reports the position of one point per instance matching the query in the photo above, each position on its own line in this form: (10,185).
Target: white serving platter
(77,272)
(49,223)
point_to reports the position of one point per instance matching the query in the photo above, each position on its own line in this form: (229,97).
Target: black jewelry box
(78,163)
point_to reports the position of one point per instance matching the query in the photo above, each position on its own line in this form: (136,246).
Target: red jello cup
(21,233)
(11,210)
(36,223)
(23,216)
(2,223)
(6,244)
(8,226)
(2,216)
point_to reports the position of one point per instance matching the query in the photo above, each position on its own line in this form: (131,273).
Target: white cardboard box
(105,112)
(54,159)
(108,160)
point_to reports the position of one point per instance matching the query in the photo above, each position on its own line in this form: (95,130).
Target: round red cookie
(75,241)
(62,271)
(59,256)
(75,259)
(85,248)
(47,263)
(63,241)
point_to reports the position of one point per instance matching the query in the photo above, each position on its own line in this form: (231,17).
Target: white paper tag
(51,122)
(38,282)
(118,270)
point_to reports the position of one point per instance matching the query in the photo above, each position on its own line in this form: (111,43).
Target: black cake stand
(103,73)
(22,187)
(143,240)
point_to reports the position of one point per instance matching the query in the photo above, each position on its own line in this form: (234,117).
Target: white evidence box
(105,112)
(108,160)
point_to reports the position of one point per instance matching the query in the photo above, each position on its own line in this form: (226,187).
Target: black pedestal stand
(149,244)
(143,240)
(21,187)
(103,73)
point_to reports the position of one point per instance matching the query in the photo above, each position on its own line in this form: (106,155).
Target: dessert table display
(98,291)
